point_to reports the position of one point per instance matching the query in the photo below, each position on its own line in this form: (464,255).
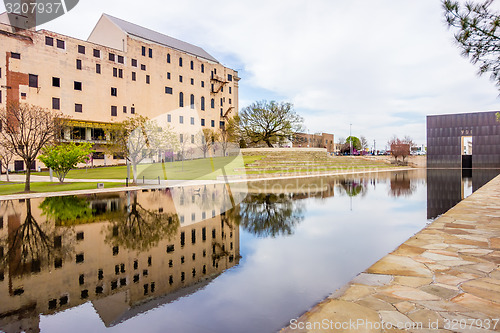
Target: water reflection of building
(447,187)
(116,260)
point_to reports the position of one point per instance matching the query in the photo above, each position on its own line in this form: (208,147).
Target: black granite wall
(444,134)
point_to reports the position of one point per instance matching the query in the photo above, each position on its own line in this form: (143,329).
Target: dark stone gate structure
(444,140)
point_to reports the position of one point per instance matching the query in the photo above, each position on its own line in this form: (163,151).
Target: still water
(198,260)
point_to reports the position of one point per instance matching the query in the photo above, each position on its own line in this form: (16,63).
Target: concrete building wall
(127,82)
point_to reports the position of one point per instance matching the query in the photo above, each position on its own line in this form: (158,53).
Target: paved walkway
(446,278)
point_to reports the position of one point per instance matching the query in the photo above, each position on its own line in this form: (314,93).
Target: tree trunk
(7,172)
(134,172)
(269,143)
(27,187)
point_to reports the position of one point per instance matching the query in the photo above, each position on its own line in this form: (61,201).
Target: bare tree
(26,129)
(400,147)
(5,158)
(229,134)
(363,142)
(206,140)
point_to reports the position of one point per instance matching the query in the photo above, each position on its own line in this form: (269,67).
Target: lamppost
(350,139)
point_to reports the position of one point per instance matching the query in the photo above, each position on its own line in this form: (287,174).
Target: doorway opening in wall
(466,152)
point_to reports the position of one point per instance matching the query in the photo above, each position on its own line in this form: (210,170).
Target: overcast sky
(382,65)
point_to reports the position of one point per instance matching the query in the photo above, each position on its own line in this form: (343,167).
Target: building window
(169,118)
(60,44)
(230,101)
(202,68)
(115,72)
(192,81)
(212,103)
(229,77)
(15,55)
(98,68)
(168,75)
(202,122)
(192,121)
(191,101)
(150,51)
(168,58)
(192,65)
(143,67)
(168,90)
(180,78)
(114,111)
(181,99)
(114,91)
(230,90)
(221,124)
(132,110)
(181,119)
(147,79)
(124,109)
(33,81)
(111,57)
(56,103)
(134,62)
(180,62)
(143,51)
(78,64)
(81,49)
(97,53)
(202,103)
(181,139)
(192,141)
(121,60)
(49,41)
(56,82)
(134,76)
(78,108)
(120,73)
(203,84)
(212,123)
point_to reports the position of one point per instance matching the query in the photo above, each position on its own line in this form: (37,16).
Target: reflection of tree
(352,187)
(31,245)
(401,185)
(67,208)
(141,229)
(269,214)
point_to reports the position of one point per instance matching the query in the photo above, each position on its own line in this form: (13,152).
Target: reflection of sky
(279,279)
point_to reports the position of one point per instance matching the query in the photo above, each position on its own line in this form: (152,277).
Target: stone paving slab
(446,278)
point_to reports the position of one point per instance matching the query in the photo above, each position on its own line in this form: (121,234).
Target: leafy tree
(64,157)
(269,122)
(5,158)
(26,129)
(207,139)
(477,34)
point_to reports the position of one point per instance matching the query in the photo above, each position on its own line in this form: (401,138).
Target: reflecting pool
(209,258)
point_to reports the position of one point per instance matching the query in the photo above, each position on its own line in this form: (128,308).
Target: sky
(380,65)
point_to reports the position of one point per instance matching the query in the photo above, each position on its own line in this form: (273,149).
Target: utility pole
(374,148)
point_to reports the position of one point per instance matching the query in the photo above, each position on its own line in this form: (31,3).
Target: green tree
(67,208)
(356,143)
(476,34)
(26,129)
(269,122)
(229,134)
(64,157)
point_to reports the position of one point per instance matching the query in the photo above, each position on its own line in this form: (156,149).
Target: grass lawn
(208,168)
(15,188)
